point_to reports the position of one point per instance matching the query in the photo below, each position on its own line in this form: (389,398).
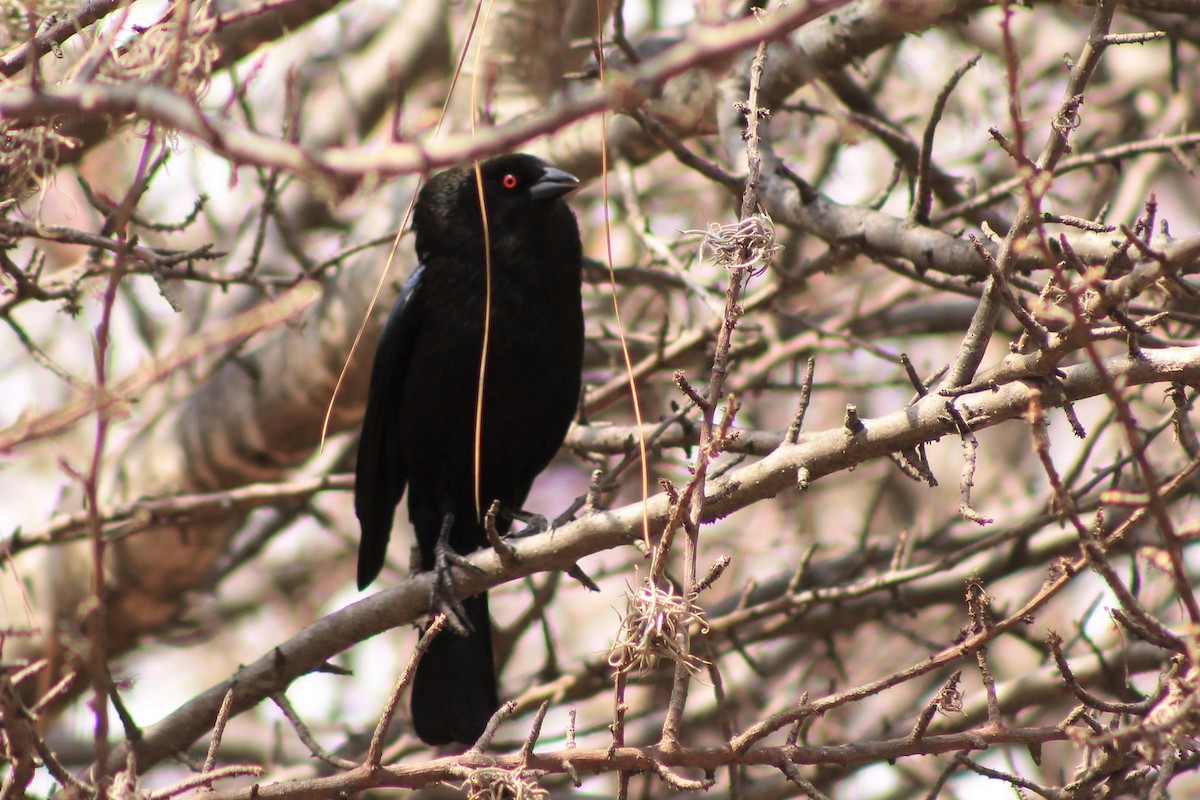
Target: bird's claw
(443,594)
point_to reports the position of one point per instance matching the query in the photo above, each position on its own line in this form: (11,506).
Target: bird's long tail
(454,690)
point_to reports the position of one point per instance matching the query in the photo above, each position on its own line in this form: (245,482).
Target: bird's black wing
(380,476)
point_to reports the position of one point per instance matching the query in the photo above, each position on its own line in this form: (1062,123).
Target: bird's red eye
(509,181)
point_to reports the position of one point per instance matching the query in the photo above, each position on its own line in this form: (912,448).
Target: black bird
(420,425)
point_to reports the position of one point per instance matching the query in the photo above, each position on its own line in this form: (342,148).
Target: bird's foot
(534,523)
(443,595)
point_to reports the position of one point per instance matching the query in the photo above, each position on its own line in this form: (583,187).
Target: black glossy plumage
(419,428)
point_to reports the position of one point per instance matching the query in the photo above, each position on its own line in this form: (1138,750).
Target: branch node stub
(853,424)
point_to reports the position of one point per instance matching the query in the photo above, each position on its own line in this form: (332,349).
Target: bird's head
(519,192)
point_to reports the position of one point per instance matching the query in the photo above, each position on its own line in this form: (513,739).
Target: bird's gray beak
(553,183)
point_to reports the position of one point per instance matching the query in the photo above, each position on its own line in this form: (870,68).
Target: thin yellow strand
(612,278)
(387,267)
(487,287)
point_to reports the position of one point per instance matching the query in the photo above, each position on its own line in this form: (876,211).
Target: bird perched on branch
(475,381)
